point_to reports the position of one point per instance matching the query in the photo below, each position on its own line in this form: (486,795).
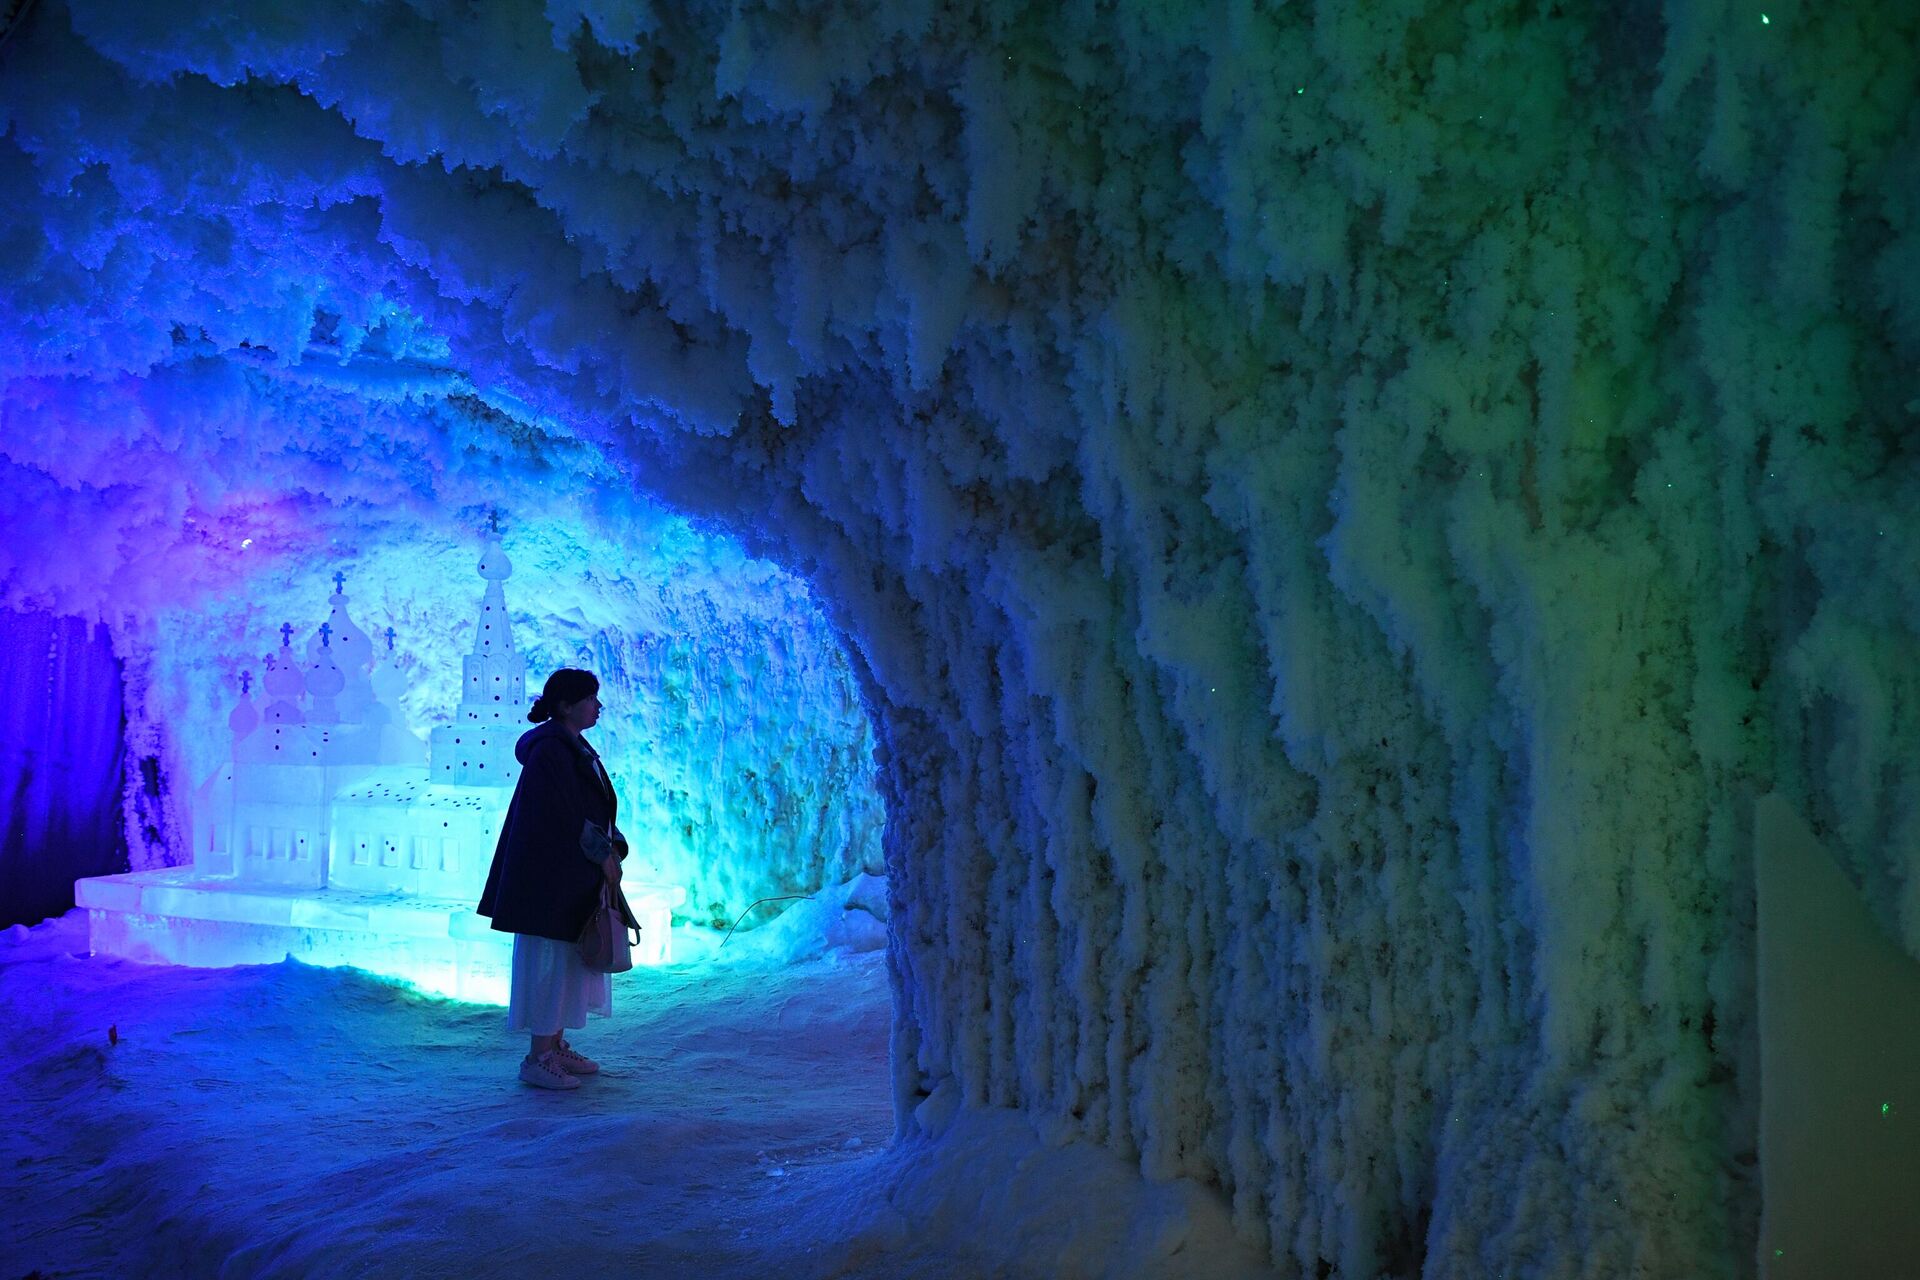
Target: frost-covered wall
(1337,510)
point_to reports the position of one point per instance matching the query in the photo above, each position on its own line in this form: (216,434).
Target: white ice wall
(1338,510)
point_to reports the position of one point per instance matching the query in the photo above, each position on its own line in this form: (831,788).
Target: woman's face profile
(583,714)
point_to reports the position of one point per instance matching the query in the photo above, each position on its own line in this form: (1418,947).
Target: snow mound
(848,918)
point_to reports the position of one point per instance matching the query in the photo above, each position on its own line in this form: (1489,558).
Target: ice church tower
(476,750)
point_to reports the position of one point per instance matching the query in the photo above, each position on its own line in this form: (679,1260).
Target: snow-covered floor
(283,1120)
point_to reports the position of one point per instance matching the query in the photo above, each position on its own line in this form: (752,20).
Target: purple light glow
(60,761)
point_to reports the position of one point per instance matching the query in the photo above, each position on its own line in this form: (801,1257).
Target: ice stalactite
(1335,513)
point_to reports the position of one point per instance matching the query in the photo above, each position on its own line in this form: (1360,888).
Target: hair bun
(539,710)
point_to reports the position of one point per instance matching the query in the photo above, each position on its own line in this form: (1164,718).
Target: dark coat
(541,883)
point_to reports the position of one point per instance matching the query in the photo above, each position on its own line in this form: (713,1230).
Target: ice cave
(1238,638)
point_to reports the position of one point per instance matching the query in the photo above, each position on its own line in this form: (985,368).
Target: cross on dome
(339,581)
(389,635)
(286,635)
(326,635)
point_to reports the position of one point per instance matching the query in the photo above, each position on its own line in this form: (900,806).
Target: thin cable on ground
(789,897)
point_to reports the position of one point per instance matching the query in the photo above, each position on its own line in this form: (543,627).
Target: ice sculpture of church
(334,839)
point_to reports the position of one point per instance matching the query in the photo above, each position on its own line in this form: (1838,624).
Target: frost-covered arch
(1337,510)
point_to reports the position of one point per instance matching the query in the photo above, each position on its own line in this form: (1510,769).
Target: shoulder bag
(607,943)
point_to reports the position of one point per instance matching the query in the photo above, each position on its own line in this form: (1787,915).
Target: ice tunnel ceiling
(1335,511)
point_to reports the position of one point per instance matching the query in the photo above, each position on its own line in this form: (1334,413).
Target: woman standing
(557,846)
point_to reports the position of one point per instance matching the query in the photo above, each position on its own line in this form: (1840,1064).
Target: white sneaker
(571,1059)
(545,1072)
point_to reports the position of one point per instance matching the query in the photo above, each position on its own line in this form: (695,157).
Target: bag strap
(613,897)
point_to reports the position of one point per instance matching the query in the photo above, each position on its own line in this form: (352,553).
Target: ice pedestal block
(180,916)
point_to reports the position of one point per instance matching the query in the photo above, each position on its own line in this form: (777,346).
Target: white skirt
(552,990)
